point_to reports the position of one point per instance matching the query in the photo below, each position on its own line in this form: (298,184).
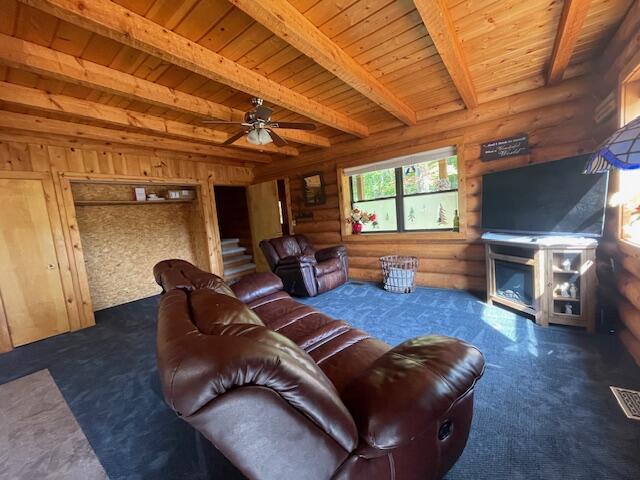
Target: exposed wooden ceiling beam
(114,21)
(574,13)
(119,117)
(437,19)
(293,27)
(50,63)
(35,123)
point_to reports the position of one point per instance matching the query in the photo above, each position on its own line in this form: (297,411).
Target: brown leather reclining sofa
(286,392)
(305,271)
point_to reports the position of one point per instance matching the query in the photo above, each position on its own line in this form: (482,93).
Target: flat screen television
(550,198)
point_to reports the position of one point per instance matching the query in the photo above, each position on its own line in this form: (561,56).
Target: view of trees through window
(428,199)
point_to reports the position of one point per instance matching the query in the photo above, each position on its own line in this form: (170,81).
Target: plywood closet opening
(122,239)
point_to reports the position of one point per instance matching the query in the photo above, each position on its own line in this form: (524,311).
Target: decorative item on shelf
(456,221)
(140,194)
(568,309)
(357,218)
(153,197)
(564,290)
(187,194)
(173,194)
(566,265)
(573,290)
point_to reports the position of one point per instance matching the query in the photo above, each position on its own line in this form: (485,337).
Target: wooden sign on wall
(506,147)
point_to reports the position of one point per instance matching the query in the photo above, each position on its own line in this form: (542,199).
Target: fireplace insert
(514,281)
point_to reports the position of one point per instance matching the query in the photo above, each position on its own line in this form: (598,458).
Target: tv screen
(550,198)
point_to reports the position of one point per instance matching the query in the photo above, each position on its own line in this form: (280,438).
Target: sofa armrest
(331,252)
(256,285)
(195,368)
(411,387)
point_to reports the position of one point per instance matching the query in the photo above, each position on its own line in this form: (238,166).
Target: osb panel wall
(122,243)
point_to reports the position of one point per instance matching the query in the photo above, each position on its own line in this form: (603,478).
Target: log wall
(619,59)
(556,119)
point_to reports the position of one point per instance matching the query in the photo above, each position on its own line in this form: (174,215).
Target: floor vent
(629,401)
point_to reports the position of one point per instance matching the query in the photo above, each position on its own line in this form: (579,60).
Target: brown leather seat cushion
(331,343)
(327,266)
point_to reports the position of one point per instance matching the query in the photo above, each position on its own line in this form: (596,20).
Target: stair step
(246,267)
(229,241)
(230,252)
(237,259)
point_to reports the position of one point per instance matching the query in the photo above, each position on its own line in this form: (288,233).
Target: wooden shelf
(568,315)
(568,272)
(566,299)
(86,203)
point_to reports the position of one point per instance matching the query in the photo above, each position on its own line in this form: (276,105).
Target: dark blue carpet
(543,408)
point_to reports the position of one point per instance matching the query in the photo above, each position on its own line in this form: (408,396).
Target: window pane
(431,176)
(630,198)
(372,185)
(385,211)
(430,212)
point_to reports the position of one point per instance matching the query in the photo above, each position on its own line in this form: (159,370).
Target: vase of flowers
(357,218)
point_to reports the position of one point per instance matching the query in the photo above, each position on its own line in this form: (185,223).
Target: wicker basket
(399,273)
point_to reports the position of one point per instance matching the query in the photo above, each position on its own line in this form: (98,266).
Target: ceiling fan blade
(234,137)
(293,125)
(277,139)
(263,113)
(223,122)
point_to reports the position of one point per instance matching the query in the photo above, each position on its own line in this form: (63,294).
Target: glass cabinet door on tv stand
(572,284)
(550,278)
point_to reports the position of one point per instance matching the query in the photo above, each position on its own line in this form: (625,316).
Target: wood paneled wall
(64,160)
(557,120)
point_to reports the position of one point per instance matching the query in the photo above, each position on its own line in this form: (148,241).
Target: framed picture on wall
(314,189)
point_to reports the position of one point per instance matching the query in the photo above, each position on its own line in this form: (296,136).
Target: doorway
(284,206)
(235,232)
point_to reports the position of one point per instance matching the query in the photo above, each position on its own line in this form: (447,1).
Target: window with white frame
(414,193)
(629,194)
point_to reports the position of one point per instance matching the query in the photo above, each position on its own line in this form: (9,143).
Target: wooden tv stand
(546,263)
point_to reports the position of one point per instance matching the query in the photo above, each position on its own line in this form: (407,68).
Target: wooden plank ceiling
(367,66)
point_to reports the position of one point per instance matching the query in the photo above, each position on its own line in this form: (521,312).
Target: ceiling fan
(258,126)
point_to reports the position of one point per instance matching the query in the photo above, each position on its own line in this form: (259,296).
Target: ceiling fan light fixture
(259,137)
(264,137)
(253,137)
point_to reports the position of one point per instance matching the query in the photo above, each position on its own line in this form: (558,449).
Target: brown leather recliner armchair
(304,271)
(286,392)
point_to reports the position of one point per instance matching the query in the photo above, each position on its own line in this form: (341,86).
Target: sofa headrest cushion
(171,274)
(210,309)
(252,287)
